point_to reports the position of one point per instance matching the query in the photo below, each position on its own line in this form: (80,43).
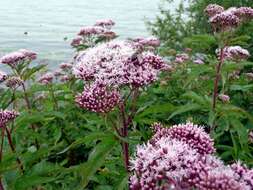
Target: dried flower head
(6,116)
(47,78)
(98,98)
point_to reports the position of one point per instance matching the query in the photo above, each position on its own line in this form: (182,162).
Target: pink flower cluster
(182,58)
(14,82)
(106,23)
(151,41)
(227,19)
(3,76)
(118,63)
(46,78)
(6,116)
(235,53)
(181,157)
(14,58)
(90,35)
(224,98)
(98,98)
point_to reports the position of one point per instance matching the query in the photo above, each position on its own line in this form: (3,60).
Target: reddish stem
(14,150)
(216,81)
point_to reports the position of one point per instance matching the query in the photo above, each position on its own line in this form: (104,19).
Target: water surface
(48,22)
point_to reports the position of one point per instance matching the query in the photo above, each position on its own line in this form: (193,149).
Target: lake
(48,22)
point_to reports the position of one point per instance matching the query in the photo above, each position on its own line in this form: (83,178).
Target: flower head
(245,13)
(182,58)
(151,41)
(47,78)
(225,20)
(14,58)
(3,76)
(6,116)
(235,53)
(213,9)
(30,55)
(118,63)
(98,98)
(107,23)
(76,41)
(191,134)
(224,98)
(66,66)
(14,82)
(91,30)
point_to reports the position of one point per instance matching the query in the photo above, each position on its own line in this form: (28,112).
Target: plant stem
(216,82)
(53,97)
(124,133)
(14,150)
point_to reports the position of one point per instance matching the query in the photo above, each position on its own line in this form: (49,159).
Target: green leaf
(184,109)
(96,159)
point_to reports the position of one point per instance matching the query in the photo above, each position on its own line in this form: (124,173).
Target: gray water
(48,22)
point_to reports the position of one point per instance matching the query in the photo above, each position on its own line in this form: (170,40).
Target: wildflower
(245,13)
(14,58)
(98,98)
(3,76)
(58,73)
(151,41)
(118,63)
(225,20)
(191,134)
(47,78)
(108,35)
(14,82)
(107,23)
(6,116)
(76,41)
(249,75)
(213,9)
(30,55)
(174,158)
(236,53)
(65,78)
(224,98)
(91,30)
(182,58)
(66,66)
(160,166)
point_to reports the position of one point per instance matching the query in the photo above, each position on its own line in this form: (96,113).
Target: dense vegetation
(81,126)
